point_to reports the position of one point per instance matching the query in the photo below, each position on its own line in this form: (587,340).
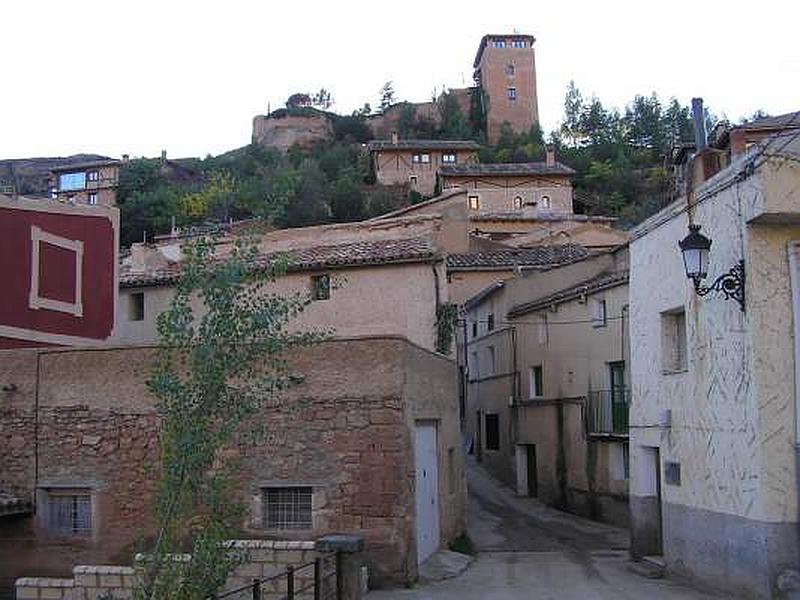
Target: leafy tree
(298,100)
(346,197)
(387,96)
(309,205)
(322,99)
(215,368)
(454,125)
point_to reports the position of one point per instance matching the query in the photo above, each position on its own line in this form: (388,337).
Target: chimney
(163,157)
(550,156)
(699,119)
(138,261)
(126,158)
(394,137)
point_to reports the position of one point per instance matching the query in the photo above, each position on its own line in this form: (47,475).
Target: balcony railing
(607,412)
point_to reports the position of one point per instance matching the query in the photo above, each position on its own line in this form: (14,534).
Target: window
(518,202)
(449,158)
(490,322)
(92,198)
(499,43)
(545,202)
(492,363)
(413,180)
(475,368)
(518,43)
(599,316)
(673,341)
(510,70)
(69,512)
(72,181)
(287,507)
(474,203)
(474,329)
(53,193)
(492,431)
(320,287)
(536,382)
(415,158)
(426,158)
(136,306)
(512,93)
(92,176)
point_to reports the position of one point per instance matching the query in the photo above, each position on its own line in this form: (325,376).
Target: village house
(416,162)
(505,72)
(90,183)
(546,357)
(714,359)
(378,457)
(60,261)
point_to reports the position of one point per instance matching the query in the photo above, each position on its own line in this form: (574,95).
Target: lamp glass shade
(695,248)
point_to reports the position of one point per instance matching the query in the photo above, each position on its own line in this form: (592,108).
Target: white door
(427,489)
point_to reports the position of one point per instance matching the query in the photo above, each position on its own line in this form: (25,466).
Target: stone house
(547,386)
(505,71)
(375,456)
(384,278)
(714,412)
(533,189)
(90,183)
(60,264)
(416,162)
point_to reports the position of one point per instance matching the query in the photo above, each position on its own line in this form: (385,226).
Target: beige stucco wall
(396,167)
(497,194)
(379,300)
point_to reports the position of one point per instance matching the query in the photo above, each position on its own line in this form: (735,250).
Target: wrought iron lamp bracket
(731,284)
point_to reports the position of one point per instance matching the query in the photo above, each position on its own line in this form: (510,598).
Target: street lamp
(695,248)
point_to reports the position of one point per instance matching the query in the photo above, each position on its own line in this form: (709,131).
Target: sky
(138,77)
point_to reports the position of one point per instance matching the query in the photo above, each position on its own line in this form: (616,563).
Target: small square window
(92,198)
(416,158)
(518,202)
(69,512)
(287,507)
(320,287)
(490,322)
(492,431)
(425,158)
(510,70)
(448,158)
(93,176)
(474,203)
(499,43)
(518,44)
(536,382)
(512,93)
(544,202)
(136,306)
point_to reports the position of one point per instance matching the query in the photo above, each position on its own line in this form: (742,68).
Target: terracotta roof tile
(361,253)
(506,169)
(423,145)
(543,256)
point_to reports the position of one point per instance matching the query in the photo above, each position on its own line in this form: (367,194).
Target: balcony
(607,412)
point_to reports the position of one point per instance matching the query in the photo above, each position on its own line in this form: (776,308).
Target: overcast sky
(136,77)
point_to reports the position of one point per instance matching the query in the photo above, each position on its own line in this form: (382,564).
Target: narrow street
(529,551)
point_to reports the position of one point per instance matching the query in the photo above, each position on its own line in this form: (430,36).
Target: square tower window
(499,43)
(518,43)
(474,203)
(510,70)
(512,93)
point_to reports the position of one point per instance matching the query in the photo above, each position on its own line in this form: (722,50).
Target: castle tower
(506,70)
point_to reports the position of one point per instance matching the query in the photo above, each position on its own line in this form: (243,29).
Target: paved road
(528,551)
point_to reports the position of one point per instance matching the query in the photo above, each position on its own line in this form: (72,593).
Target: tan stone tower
(506,69)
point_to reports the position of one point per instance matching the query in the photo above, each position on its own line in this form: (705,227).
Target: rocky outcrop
(284,131)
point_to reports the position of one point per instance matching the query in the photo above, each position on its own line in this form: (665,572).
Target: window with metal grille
(70,513)
(287,507)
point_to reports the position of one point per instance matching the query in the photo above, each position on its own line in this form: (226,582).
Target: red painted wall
(57,272)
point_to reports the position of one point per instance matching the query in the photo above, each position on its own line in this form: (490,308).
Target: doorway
(651,533)
(530,468)
(426,492)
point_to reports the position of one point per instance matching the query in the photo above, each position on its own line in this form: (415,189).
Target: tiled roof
(543,256)
(600,282)
(340,255)
(422,145)
(506,169)
(541,216)
(87,165)
(791,120)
